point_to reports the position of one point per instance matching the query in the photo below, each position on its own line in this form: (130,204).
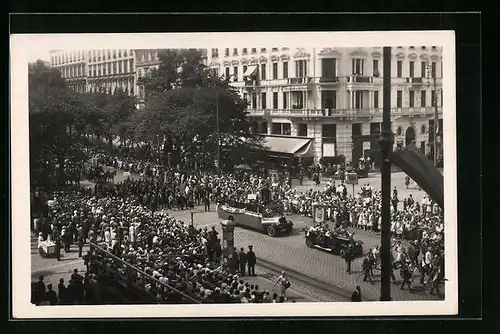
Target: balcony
(416,81)
(299,81)
(359,79)
(329,79)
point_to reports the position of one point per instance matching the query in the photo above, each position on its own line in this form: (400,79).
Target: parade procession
(134,205)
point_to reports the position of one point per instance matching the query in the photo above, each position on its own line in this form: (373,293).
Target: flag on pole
(422,171)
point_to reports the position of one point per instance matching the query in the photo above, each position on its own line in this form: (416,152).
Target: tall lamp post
(431,73)
(213,74)
(386,142)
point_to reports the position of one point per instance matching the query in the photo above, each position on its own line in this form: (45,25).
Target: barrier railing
(149,277)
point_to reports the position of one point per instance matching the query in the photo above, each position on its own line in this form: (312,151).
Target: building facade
(73,67)
(146,60)
(333,96)
(109,70)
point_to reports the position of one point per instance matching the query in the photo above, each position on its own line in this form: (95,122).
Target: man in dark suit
(207,198)
(81,240)
(243,261)
(356,295)
(51,295)
(251,260)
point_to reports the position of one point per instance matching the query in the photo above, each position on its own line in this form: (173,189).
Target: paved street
(288,251)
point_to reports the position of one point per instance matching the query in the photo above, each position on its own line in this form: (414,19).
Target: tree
(178,68)
(186,104)
(54,112)
(110,114)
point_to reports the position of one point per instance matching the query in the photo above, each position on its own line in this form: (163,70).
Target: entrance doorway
(409,135)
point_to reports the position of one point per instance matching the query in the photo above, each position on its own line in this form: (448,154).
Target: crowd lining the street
(126,217)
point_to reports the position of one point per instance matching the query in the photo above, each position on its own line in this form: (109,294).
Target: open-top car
(335,242)
(267,219)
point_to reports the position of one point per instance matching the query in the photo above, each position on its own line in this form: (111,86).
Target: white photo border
(23,46)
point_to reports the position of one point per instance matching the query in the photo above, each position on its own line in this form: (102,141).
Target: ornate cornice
(301,53)
(358,53)
(262,59)
(329,52)
(412,56)
(284,57)
(376,54)
(400,56)
(424,56)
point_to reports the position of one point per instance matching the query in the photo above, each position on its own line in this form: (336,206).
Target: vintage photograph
(234,170)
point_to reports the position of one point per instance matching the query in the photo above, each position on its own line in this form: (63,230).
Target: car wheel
(271,231)
(309,243)
(342,253)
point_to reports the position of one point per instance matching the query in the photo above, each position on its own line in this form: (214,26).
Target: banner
(421,170)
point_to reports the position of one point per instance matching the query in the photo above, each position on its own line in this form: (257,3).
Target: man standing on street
(81,241)
(251,260)
(366,265)
(356,295)
(348,257)
(207,199)
(243,261)
(58,247)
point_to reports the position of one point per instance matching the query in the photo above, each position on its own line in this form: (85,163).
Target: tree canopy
(186,103)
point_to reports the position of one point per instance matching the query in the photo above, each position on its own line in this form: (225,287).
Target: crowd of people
(164,250)
(185,262)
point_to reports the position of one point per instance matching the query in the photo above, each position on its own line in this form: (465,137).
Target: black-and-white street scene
(233,174)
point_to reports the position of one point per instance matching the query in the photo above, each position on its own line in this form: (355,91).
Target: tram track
(316,288)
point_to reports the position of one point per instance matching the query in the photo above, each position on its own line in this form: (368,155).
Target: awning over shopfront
(250,70)
(299,147)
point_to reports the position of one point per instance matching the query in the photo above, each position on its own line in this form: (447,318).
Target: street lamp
(431,74)
(217,121)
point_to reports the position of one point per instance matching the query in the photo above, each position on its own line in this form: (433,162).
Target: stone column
(269,127)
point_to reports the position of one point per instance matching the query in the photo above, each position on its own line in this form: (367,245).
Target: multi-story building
(318,103)
(145,61)
(73,67)
(109,70)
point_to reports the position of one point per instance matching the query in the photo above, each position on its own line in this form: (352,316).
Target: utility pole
(217,121)
(436,119)
(432,74)
(386,142)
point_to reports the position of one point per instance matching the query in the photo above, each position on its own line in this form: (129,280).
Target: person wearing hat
(51,295)
(356,295)
(251,261)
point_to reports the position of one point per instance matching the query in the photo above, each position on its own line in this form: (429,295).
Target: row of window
(422,47)
(125,84)
(295,100)
(73,71)
(244,51)
(329,69)
(94,55)
(68,57)
(116,67)
(101,55)
(412,101)
(329,131)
